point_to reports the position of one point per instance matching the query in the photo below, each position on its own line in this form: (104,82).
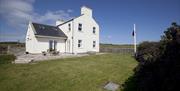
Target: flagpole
(134,38)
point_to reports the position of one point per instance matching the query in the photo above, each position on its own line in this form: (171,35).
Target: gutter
(50,37)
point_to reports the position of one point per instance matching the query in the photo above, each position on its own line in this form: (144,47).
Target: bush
(148,51)
(7,58)
(163,73)
(159,63)
(3,49)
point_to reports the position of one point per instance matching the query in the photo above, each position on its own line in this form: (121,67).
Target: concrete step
(23,60)
(20,62)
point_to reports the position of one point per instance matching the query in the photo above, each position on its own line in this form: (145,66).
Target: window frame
(94,30)
(69,26)
(94,44)
(79,43)
(80,26)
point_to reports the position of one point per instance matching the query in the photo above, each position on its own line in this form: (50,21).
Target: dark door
(55,45)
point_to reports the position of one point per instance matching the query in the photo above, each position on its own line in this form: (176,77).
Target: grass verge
(88,73)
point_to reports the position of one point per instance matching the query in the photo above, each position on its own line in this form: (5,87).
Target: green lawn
(88,73)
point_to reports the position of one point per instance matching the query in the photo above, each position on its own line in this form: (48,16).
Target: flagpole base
(135,55)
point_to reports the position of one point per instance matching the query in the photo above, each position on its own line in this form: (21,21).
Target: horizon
(115,17)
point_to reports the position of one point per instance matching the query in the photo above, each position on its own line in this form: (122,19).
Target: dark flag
(133,33)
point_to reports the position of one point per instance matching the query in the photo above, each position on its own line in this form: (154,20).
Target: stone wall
(117,50)
(9,49)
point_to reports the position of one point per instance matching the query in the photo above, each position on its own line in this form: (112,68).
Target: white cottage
(78,35)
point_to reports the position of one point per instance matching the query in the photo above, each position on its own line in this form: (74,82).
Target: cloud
(17,13)
(69,10)
(51,17)
(109,36)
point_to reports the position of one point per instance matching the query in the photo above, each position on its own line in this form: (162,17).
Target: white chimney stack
(86,11)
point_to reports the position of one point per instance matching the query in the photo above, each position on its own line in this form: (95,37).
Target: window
(94,44)
(69,26)
(94,30)
(55,45)
(79,43)
(80,27)
(50,44)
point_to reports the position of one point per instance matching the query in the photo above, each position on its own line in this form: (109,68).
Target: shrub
(3,49)
(148,51)
(7,58)
(159,63)
(162,74)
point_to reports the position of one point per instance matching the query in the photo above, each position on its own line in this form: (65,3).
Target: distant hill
(12,44)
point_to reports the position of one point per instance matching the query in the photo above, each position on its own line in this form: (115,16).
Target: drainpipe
(72,36)
(65,44)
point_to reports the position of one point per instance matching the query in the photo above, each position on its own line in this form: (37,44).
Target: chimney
(58,22)
(86,11)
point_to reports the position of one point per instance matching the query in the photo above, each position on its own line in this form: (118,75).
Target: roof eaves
(69,20)
(51,36)
(32,26)
(65,22)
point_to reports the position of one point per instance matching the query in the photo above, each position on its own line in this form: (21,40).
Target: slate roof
(48,30)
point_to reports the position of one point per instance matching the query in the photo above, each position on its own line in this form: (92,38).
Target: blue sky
(115,17)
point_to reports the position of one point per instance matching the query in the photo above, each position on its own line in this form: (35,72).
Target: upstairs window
(94,44)
(80,27)
(79,43)
(69,27)
(94,30)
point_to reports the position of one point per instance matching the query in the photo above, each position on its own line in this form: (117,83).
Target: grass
(88,73)
(7,58)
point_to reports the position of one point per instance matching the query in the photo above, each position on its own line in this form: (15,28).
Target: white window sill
(80,31)
(80,47)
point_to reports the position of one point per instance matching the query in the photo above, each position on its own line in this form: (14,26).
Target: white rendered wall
(68,33)
(30,39)
(42,44)
(39,44)
(86,35)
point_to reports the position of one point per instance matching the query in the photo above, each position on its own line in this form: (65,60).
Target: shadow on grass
(130,84)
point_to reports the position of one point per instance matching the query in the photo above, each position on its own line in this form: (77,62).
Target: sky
(115,17)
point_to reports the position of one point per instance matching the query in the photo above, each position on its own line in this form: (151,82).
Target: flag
(133,33)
